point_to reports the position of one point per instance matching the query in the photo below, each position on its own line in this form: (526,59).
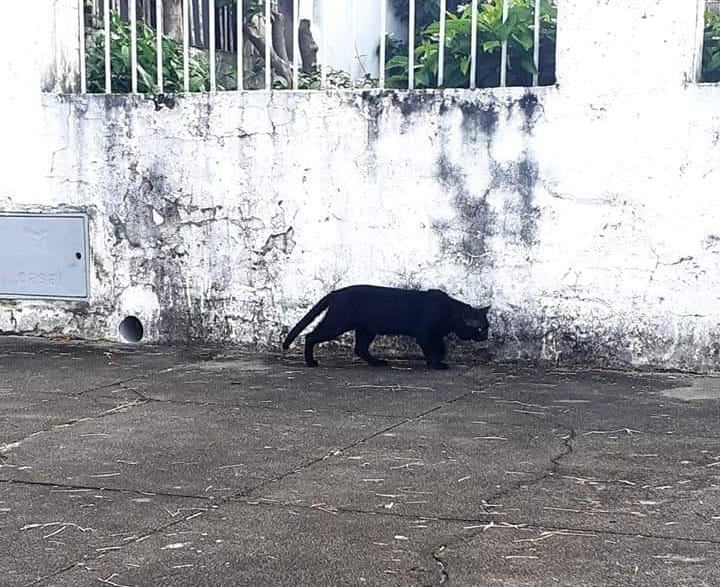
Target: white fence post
(186,46)
(108,65)
(536,42)
(411,45)
(211,45)
(240,45)
(504,49)
(473,44)
(383,28)
(81,44)
(132,9)
(268,45)
(159,45)
(441,45)
(296,44)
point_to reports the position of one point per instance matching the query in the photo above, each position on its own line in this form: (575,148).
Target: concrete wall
(586,213)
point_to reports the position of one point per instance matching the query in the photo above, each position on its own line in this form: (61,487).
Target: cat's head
(477,318)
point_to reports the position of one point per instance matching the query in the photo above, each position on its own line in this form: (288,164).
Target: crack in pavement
(8,446)
(248,491)
(444,575)
(77,487)
(5,448)
(548,472)
(482,524)
(139,538)
(247,403)
(353,444)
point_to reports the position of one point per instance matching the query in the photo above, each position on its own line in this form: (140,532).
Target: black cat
(369,310)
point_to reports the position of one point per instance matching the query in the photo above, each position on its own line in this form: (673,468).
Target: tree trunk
(308,46)
(279,24)
(172,18)
(285,7)
(256,36)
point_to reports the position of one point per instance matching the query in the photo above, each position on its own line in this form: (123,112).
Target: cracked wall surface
(585,213)
(223,218)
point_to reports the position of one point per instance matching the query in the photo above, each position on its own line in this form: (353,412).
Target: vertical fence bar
(383,27)
(159,29)
(504,48)
(536,44)
(81,47)
(240,46)
(268,45)
(473,44)
(132,12)
(211,45)
(224,39)
(354,60)
(186,46)
(296,44)
(441,46)
(323,63)
(411,44)
(323,46)
(108,63)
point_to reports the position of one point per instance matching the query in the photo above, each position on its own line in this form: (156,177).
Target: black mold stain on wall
(476,219)
(519,177)
(373,106)
(479,120)
(531,108)
(410,103)
(474,215)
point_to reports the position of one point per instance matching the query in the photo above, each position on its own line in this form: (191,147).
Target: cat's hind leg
(363,340)
(328,328)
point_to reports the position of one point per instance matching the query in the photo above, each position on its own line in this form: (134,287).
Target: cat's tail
(314,312)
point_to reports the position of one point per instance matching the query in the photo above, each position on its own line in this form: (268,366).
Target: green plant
(146,61)
(334,79)
(426,11)
(491,33)
(711,48)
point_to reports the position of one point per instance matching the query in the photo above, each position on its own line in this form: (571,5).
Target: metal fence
(243,34)
(713,5)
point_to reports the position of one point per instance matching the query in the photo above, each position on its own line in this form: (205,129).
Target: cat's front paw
(439,365)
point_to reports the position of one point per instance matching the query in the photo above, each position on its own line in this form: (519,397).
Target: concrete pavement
(153,466)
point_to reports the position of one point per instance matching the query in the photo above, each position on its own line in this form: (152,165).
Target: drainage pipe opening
(131,329)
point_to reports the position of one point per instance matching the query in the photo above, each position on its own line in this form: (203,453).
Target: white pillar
(641,44)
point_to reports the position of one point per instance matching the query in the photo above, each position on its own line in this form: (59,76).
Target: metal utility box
(44,256)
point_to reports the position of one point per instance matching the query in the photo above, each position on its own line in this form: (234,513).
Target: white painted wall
(590,221)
